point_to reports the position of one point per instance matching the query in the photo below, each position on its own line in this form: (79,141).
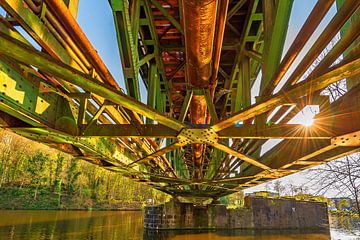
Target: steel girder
(65,97)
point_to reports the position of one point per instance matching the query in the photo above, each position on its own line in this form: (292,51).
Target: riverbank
(15,198)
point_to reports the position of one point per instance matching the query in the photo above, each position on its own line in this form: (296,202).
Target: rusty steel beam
(199,29)
(220,29)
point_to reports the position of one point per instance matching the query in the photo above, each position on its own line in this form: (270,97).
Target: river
(94,225)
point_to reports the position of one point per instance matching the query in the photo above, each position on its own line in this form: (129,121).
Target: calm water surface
(81,225)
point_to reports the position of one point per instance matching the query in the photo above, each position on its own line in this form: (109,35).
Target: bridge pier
(258,213)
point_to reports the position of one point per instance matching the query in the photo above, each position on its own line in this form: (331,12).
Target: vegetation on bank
(34,176)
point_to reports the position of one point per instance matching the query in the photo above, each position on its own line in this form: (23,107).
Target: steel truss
(199,136)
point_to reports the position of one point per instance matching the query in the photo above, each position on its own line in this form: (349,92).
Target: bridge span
(199,135)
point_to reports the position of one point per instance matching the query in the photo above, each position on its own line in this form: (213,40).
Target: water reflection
(81,225)
(52,225)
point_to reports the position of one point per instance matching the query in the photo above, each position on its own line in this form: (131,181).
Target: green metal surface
(127,44)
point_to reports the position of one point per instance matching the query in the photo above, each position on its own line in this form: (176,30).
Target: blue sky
(96,19)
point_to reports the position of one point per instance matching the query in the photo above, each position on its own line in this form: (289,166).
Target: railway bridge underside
(201,134)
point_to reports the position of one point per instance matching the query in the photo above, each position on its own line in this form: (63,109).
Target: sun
(307,122)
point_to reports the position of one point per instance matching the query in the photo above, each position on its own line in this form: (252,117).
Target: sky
(95,18)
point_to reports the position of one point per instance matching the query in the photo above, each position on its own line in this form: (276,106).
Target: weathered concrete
(258,213)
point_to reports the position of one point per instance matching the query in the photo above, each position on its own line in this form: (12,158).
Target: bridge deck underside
(199,135)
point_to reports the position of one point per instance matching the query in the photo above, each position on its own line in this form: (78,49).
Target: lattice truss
(199,135)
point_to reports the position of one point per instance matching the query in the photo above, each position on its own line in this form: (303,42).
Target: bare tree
(341,176)
(279,187)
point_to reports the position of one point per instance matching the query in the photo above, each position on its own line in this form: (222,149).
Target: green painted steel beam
(96,150)
(152,81)
(146,59)
(163,95)
(17,50)
(186,105)
(168,16)
(35,28)
(350,82)
(23,99)
(274,40)
(305,152)
(245,39)
(210,105)
(135,20)
(127,47)
(243,90)
(235,9)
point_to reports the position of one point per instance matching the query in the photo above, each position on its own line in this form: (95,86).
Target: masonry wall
(258,213)
(287,214)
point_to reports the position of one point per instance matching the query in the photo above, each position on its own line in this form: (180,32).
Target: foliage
(236,200)
(33,176)
(36,167)
(343,204)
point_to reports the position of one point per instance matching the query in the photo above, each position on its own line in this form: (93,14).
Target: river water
(94,225)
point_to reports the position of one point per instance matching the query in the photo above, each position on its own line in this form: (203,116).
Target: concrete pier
(257,213)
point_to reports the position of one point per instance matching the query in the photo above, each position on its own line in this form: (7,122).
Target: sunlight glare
(308,122)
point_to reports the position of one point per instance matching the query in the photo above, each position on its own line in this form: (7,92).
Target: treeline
(33,175)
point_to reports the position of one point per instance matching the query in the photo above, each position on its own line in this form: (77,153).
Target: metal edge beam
(23,53)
